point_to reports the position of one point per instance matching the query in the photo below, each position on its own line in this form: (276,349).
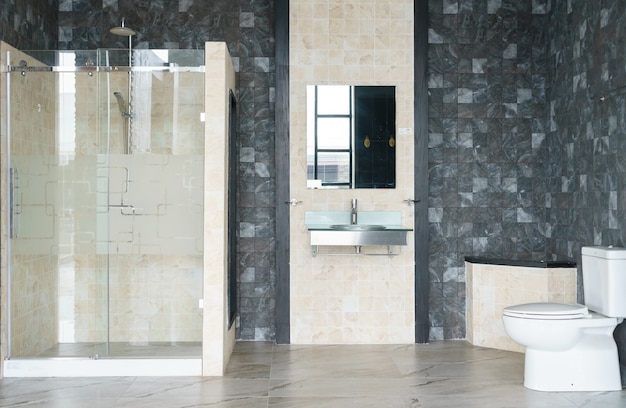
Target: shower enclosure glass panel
(105,179)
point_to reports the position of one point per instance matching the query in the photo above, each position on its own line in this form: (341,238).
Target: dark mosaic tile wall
(247,26)
(586,138)
(29,24)
(487,85)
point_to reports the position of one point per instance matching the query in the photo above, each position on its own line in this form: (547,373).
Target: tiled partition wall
(487,90)
(218,339)
(352,298)
(491,288)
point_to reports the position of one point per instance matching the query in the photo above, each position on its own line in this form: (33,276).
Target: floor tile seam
(474,377)
(487,390)
(481,366)
(326,394)
(218,387)
(53,401)
(188,400)
(76,389)
(478,360)
(344,378)
(285,382)
(468,399)
(345,399)
(412,376)
(481,395)
(500,380)
(244,380)
(250,377)
(201,395)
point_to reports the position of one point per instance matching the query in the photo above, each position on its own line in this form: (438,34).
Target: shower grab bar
(122,207)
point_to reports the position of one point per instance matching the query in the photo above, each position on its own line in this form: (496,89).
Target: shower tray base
(104,367)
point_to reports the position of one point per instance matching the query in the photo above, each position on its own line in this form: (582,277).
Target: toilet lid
(547,311)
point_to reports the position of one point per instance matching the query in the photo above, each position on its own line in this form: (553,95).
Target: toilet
(570,347)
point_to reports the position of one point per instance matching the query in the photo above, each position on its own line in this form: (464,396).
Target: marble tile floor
(437,375)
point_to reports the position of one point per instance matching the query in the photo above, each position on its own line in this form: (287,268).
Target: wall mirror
(351,136)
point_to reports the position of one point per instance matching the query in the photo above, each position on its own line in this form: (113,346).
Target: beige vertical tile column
(217,340)
(351,299)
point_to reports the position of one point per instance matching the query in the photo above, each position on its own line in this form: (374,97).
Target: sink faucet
(353,214)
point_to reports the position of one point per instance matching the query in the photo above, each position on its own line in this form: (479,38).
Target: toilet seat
(547,311)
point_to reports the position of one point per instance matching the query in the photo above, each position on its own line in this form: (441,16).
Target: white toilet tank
(604,280)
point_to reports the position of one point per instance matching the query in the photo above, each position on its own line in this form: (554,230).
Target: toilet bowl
(570,347)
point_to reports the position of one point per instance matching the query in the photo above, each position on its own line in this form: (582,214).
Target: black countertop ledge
(514,262)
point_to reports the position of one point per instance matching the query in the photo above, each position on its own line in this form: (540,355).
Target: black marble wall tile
(29,24)
(488,85)
(539,92)
(586,99)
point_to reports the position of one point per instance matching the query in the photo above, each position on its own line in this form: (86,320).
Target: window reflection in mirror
(351,136)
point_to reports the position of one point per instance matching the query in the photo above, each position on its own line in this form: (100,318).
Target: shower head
(123,30)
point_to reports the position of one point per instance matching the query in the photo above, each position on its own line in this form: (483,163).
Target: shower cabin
(115,209)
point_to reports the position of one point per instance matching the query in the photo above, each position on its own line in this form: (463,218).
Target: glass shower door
(105,177)
(57,281)
(154,204)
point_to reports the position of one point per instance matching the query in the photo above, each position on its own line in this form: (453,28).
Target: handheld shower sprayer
(121,103)
(127,116)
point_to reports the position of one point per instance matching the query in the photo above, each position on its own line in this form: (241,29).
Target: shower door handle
(13,206)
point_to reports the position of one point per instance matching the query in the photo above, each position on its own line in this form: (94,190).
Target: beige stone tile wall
(491,288)
(351,298)
(155,298)
(218,339)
